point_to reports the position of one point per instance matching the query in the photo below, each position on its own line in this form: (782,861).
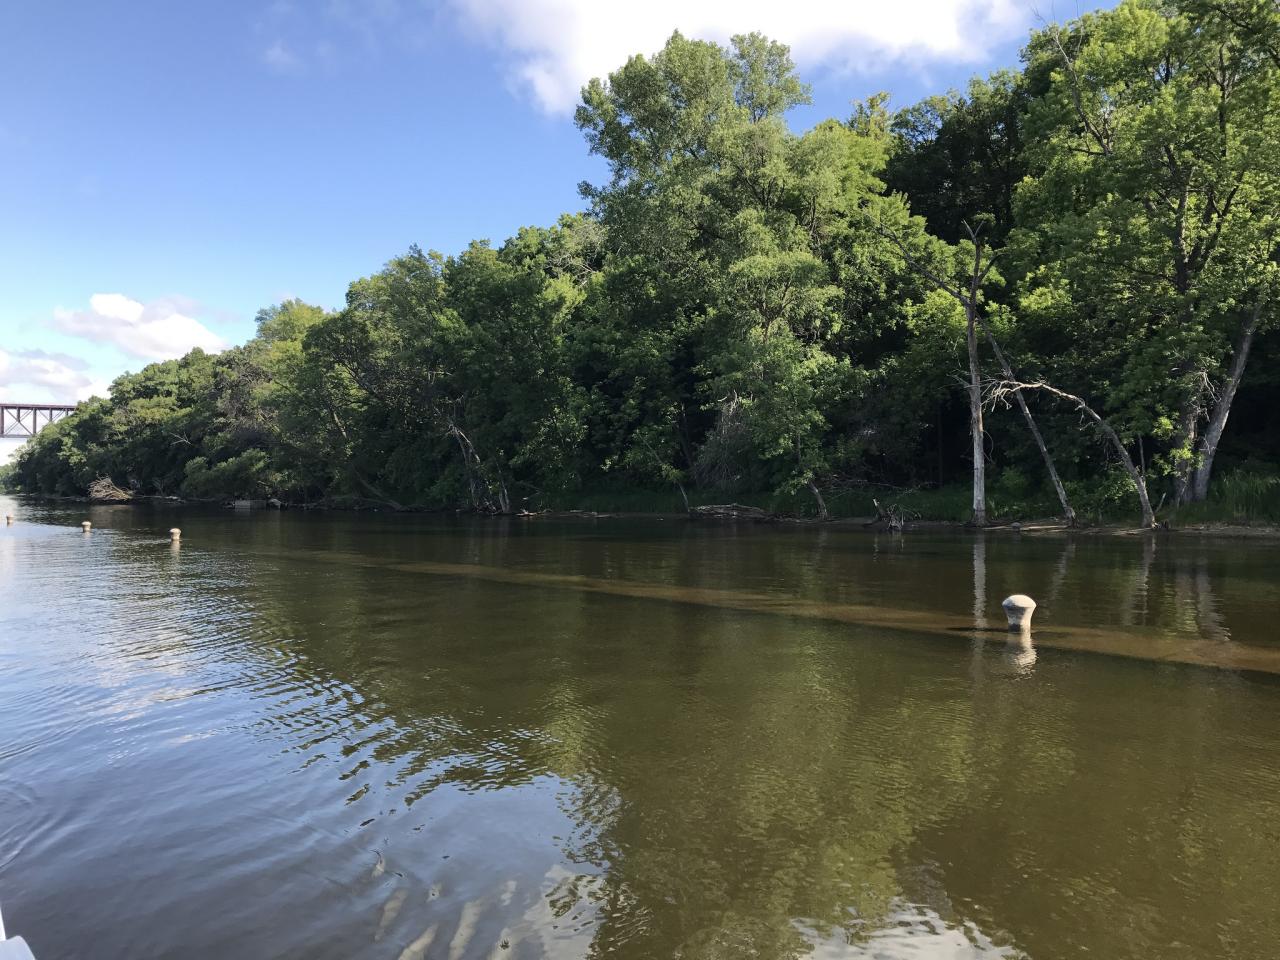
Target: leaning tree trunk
(377,494)
(822,504)
(469,455)
(1126,460)
(1222,409)
(1135,475)
(975,420)
(1068,513)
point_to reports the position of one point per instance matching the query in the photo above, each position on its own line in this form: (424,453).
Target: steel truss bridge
(22,421)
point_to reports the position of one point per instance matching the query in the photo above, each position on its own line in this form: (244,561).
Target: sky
(168,169)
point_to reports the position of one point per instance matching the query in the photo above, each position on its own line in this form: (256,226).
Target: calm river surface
(409,738)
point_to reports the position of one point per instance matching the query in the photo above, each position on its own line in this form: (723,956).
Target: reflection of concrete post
(1019,654)
(1019,608)
(86,526)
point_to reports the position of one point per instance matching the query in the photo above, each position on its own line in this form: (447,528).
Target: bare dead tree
(976,431)
(1000,391)
(470,461)
(822,504)
(665,468)
(975,316)
(1068,513)
(1006,370)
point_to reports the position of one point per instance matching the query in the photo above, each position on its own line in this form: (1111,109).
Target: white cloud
(555,46)
(37,376)
(280,58)
(159,330)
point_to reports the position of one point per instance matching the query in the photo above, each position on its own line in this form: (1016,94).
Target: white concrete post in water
(86,526)
(174,534)
(1019,608)
(8,519)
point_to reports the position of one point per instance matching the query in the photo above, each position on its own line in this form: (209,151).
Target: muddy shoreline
(732,513)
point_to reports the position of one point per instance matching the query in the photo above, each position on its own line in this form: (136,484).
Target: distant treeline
(1057,284)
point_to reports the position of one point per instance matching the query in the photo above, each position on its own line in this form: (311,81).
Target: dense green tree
(958,155)
(757,227)
(750,308)
(1150,218)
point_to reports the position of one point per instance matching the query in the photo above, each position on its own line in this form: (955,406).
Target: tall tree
(960,155)
(1153,206)
(749,223)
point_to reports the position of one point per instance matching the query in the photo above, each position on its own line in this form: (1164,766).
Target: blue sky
(167,169)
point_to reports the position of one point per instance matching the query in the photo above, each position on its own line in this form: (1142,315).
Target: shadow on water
(352,738)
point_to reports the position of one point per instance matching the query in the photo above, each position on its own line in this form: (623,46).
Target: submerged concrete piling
(86,526)
(175,535)
(8,519)
(1019,608)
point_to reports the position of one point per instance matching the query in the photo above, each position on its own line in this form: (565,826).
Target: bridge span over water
(22,421)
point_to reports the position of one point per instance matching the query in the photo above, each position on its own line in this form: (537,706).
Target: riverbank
(708,512)
(1040,527)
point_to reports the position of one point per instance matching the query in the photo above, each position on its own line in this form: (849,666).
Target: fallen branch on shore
(104,490)
(891,516)
(731,511)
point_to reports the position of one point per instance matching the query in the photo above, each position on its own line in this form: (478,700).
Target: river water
(420,737)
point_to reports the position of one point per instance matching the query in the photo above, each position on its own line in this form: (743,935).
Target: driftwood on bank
(730,511)
(891,516)
(104,490)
